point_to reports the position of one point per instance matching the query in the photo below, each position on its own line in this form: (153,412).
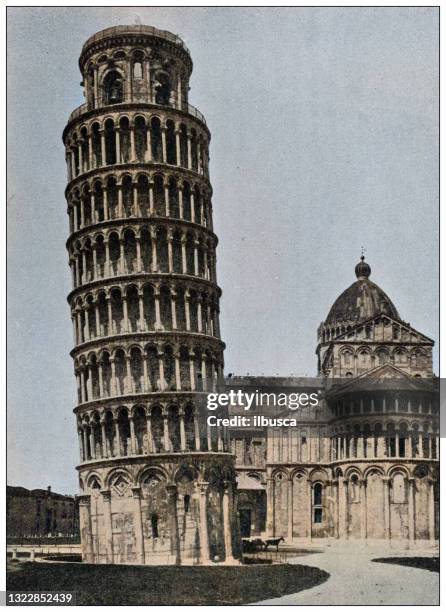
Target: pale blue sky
(324,138)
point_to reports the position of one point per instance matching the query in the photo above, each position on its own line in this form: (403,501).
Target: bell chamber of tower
(157,484)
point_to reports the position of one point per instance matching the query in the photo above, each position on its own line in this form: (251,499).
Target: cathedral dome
(362,300)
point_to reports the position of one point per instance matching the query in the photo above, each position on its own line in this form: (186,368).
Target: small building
(40,513)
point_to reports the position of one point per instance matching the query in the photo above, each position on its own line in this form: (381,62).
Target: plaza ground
(342,574)
(369,575)
(162,585)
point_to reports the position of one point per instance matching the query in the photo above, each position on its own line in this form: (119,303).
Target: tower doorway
(245,522)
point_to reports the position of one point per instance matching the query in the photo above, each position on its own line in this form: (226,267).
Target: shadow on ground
(162,585)
(428,563)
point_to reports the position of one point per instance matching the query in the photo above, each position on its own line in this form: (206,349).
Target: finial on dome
(362,269)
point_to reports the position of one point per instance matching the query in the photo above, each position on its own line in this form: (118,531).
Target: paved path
(355,579)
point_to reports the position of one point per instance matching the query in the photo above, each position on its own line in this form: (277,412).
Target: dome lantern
(362,269)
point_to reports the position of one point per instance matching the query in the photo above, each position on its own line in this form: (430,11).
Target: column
(128,383)
(161,369)
(85,528)
(107,262)
(409,445)
(132,144)
(109,316)
(85,441)
(97,319)
(187,309)
(310,508)
(158,325)
(104,438)
(199,316)
(135,208)
(105,203)
(386,485)
(192,370)
(142,322)
(147,385)
(90,151)
(196,431)
(166,198)
(204,537)
(173,522)
(138,254)
(82,377)
(73,320)
(121,261)
(203,373)
(114,389)
(270,507)
(335,488)
(290,509)
(154,250)
(166,431)
(148,154)
(139,534)
(133,444)
(92,444)
(125,312)
(108,527)
(118,145)
(183,254)
(73,164)
(182,430)
(101,380)
(164,144)
(227,527)
(363,497)
(103,155)
(81,159)
(177,371)
(117,437)
(431,510)
(149,433)
(120,207)
(196,243)
(95,88)
(177,146)
(411,510)
(189,151)
(180,200)
(169,251)
(173,307)
(81,444)
(151,202)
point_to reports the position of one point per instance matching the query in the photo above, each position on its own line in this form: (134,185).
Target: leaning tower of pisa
(157,483)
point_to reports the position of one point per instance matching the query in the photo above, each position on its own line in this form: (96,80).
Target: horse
(273,542)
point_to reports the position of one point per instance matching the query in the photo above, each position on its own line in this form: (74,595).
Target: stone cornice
(149,337)
(138,168)
(148,277)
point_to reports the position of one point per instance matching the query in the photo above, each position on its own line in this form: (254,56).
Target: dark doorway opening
(245,522)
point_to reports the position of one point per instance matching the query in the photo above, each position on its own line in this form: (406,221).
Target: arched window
(399,489)
(347,358)
(317,494)
(137,65)
(354,488)
(383,357)
(113,88)
(317,503)
(154,525)
(162,88)
(186,503)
